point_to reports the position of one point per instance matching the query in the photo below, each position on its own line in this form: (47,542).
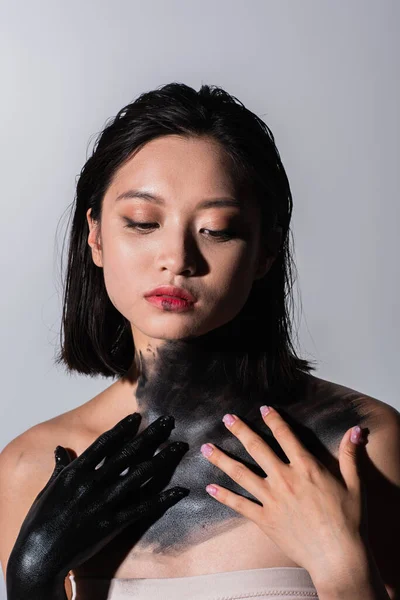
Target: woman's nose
(179,255)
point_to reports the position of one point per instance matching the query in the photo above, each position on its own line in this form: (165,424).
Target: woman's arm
(25,467)
(371,570)
(80,498)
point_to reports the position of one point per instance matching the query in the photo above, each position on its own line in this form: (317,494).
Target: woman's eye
(137,225)
(222,234)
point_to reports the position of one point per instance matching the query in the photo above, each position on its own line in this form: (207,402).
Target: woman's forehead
(179,164)
(173,171)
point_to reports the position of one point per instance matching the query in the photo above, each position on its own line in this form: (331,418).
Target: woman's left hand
(309,514)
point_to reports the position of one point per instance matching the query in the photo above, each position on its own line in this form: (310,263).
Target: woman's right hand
(84,505)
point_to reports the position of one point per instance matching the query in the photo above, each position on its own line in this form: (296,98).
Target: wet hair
(95,338)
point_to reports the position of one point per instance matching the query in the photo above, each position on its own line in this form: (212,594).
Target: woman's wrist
(354,576)
(26,588)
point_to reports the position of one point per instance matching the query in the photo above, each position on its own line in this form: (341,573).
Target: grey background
(325,78)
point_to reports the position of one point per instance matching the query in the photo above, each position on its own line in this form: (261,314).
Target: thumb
(349,459)
(62,459)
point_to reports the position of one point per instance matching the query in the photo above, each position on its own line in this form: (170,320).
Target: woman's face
(178,245)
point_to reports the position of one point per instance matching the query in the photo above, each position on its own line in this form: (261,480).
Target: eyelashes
(142,227)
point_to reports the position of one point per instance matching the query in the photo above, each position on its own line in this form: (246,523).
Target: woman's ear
(94,240)
(264,267)
(269,252)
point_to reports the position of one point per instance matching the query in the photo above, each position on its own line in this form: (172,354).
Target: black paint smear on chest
(198,383)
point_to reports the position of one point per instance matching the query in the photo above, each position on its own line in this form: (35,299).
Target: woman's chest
(234,546)
(197,535)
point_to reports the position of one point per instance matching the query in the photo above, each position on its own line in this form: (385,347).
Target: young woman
(178,285)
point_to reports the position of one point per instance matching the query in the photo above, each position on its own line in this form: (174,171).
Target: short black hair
(95,338)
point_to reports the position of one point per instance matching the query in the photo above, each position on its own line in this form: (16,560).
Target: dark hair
(97,337)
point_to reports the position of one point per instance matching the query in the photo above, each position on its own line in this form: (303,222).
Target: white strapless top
(289,583)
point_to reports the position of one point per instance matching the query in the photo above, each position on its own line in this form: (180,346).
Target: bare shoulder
(381,424)
(379,467)
(328,395)
(379,420)
(26,464)
(30,455)
(34,448)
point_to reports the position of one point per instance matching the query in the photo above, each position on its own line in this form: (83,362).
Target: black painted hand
(87,502)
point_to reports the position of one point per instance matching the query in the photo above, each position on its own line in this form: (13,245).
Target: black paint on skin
(197,381)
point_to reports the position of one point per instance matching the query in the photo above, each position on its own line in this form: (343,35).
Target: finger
(236,470)
(138,474)
(134,449)
(243,506)
(160,502)
(284,435)
(111,440)
(349,462)
(62,459)
(255,445)
(108,441)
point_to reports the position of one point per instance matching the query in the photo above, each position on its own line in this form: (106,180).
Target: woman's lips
(170,303)
(172,290)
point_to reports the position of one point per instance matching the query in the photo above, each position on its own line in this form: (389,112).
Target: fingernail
(355,434)
(178,492)
(206,450)
(229,419)
(178,447)
(167,421)
(264,410)
(211,489)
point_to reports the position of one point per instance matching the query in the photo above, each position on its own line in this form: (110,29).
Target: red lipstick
(171,290)
(171,298)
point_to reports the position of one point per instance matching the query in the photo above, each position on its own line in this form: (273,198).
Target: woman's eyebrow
(157,199)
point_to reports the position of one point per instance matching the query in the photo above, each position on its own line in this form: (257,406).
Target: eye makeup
(146,227)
